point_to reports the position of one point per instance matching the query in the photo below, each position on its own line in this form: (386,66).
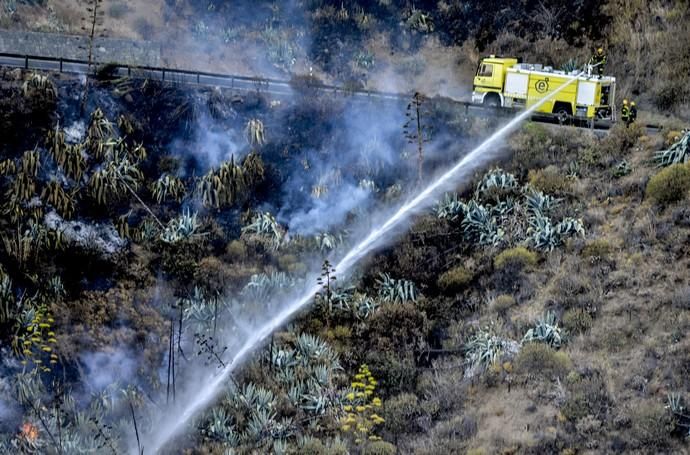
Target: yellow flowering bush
(36,341)
(362,408)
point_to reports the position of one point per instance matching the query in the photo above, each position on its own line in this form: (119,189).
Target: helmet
(625,101)
(632,103)
(600,50)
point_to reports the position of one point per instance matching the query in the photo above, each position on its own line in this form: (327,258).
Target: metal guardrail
(236,82)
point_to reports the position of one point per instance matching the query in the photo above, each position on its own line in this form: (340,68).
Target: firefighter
(632,115)
(625,113)
(598,61)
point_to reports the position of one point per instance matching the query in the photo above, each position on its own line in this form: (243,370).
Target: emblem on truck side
(542,86)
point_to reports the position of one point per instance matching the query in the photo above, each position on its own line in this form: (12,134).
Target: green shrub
(670,184)
(549,180)
(586,396)
(518,258)
(502,303)
(598,248)
(652,425)
(540,359)
(401,412)
(455,279)
(313,446)
(236,251)
(576,320)
(379,448)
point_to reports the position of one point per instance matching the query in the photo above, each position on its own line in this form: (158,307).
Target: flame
(29,431)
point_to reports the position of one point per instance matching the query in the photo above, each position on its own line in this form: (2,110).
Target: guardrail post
(61,64)
(163,75)
(198,81)
(26,62)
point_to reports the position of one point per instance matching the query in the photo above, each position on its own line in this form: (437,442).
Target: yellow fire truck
(506,82)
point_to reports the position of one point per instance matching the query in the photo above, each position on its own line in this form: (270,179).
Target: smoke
(103,368)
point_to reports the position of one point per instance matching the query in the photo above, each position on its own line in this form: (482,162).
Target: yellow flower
(360,408)
(369,392)
(347,408)
(360,394)
(350,396)
(345,428)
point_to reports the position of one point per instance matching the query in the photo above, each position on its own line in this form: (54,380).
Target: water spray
(373,240)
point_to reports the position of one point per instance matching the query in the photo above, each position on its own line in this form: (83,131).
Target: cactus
(265,225)
(480,226)
(37,83)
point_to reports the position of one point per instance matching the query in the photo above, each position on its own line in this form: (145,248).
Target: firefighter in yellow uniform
(598,61)
(632,115)
(625,113)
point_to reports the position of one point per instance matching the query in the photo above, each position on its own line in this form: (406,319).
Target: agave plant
(167,186)
(542,234)
(254,132)
(484,348)
(539,204)
(545,331)
(219,427)
(265,225)
(495,184)
(181,228)
(480,226)
(450,207)
(622,169)
(677,153)
(262,287)
(396,290)
(420,21)
(328,242)
(364,306)
(545,236)
(681,415)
